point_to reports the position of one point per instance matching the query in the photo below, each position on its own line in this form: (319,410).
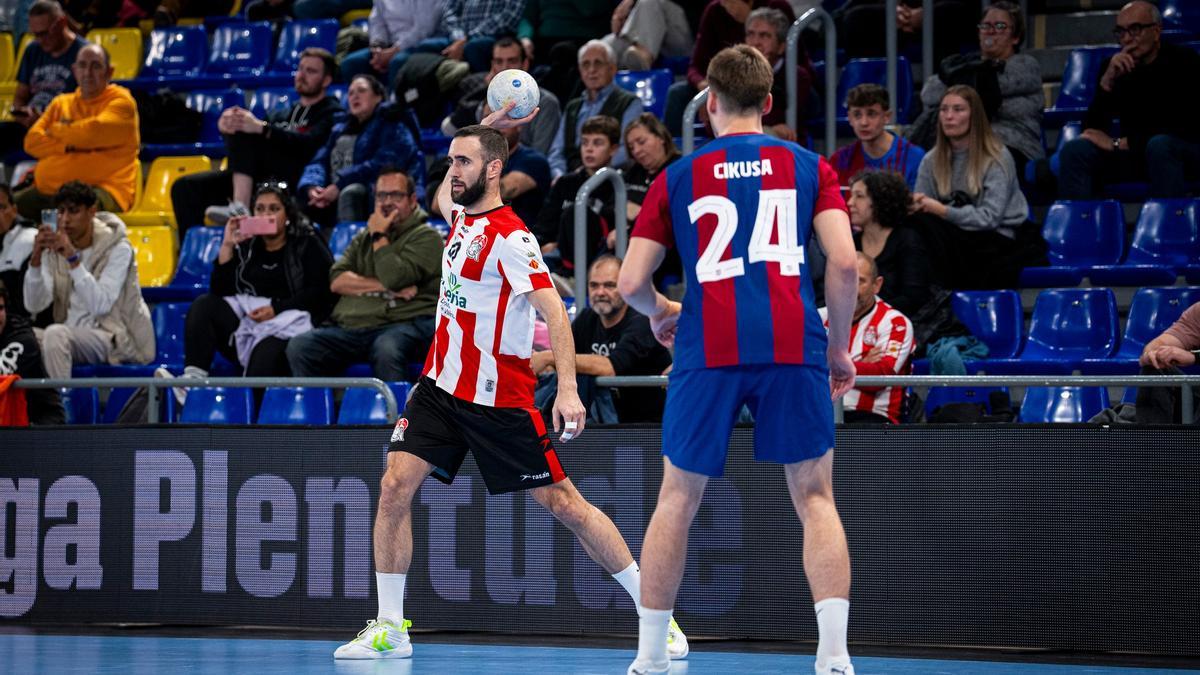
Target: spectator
(878,205)
(265,289)
(89,14)
(16,244)
(881,343)
(877,148)
(337,182)
(275,149)
(269,10)
(555,226)
(969,205)
(86,272)
(766,31)
(395,29)
(1009,83)
(651,149)
(471,26)
(1178,347)
(601,96)
(642,29)
(525,179)
(46,70)
(612,338)
(1144,88)
(723,24)
(169,12)
(89,135)
(862,24)
(506,53)
(547,23)
(21,356)
(388,282)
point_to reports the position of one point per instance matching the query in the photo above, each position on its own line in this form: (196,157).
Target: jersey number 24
(776,216)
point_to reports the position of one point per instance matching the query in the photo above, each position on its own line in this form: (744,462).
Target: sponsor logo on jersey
(452,296)
(533,265)
(476,247)
(749,169)
(539,476)
(870,337)
(398,432)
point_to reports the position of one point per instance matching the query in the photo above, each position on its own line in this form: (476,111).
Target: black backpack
(165,118)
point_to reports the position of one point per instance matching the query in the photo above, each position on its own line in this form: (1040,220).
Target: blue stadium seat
(240,54)
(296,36)
(441,226)
(860,71)
(341,236)
(296,405)
(338,91)
(650,85)
(361,405)
(200,247)
(169,319)
(1080,234)
(1078,84)
(176,56)
(1062,404)
(940,396)
(218,405)
(82,405)
(994,317)
(1070,325)
(1165,242)
(117,398)
(1151,312)
(1182,15)
(266,99)
(211,103)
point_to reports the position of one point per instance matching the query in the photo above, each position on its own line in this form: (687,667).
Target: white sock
(391,596)
(832,616)
(631,580)
(195,371)
(652,636)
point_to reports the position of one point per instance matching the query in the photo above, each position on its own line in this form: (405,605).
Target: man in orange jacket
(89,135)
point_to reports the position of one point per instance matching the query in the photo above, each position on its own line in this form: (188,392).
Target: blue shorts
(792,409)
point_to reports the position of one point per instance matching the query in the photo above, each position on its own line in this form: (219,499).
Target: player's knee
(395,493)
(568,506)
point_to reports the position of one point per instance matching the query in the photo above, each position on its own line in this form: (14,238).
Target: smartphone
(257,225)
(50,219)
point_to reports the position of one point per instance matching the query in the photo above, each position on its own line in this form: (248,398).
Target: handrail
(892,50)
(790,65)
(581,243)
(153,384)
(929,67)
(689,120)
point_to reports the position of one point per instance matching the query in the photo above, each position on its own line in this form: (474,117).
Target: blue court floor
(57,654)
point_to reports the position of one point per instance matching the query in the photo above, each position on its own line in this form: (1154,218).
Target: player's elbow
(843,264)
(630,282)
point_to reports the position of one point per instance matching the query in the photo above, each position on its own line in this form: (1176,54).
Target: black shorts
(511,446)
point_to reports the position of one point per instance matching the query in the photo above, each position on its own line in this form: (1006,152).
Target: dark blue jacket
(386,139)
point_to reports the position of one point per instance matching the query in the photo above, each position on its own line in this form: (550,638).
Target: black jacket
(305,273)
(44,405)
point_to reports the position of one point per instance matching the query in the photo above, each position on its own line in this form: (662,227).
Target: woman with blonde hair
(968,203)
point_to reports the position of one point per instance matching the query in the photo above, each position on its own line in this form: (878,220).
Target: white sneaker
(839,668)
(221,214)
(180,393)
(639,667)
(381,639)
(677,644)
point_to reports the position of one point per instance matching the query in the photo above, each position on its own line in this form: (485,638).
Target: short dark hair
(866,95)
(509,41)
(46,8)
(741,78)
(871,264)
(291,210)
(372,82)
(602,125)
(491,142)
(328,60)
(654,127)
(889,195)
(604,258)
(75,193)
(391,169)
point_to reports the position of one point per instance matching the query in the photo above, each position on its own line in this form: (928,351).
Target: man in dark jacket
(20,355)
(277,148)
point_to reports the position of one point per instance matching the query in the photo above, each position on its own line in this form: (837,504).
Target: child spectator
(876,148)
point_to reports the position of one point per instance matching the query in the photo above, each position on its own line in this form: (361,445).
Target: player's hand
(569,414)
(665,323)
(841,372)
(499,119)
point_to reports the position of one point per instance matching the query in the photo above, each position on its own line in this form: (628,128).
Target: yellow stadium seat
(124,47)
(155,249)
(25,40)
(154,207)
(6,100)
(8,58)
(354,15)
(236,9)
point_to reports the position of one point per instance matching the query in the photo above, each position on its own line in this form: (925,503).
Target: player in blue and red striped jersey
(740,212)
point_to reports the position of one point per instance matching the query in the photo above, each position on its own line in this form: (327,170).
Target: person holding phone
(269,283)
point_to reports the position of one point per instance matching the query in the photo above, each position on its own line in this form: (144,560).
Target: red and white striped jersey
(484,335)
(885,336)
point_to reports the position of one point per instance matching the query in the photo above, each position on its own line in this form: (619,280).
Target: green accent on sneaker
(672,630)
(379,643)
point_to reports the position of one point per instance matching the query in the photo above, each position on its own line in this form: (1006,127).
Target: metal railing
(790,64)
(689,120)
(581,243)
(889,21)
(154,384)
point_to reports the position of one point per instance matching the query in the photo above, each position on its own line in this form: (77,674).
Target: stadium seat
(117,398)
(1182,15)
(650,85)
(441,226)
(82,404)
(861,71)
(211,103)
(342,234)
(240,54)
(176,56)
(124,47)
(266,99)
(940,396)
(200,247)
(1165,242)
(218,405)
(355,15)
(993,317)
(1079,79)
(8,58)
(295,37)
(1070,325)
(296,405)
(1151,312)
(155,207)
(154,246)
(1080,234)
(169,319)
(1062,404)
(362,405)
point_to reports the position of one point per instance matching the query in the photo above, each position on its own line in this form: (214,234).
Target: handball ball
(513,85)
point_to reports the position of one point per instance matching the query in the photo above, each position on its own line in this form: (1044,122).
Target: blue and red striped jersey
(739,211)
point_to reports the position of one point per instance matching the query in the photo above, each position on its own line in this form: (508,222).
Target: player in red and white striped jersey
(476,394)
(881,343)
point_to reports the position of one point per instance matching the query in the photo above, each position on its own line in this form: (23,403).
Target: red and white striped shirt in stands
(484,335)
(888,335)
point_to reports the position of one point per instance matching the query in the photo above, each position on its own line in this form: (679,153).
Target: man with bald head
(1146,88)
(89,135)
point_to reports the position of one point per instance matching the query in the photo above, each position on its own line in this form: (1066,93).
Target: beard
(470,194)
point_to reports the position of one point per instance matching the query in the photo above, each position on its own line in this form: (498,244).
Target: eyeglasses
(998,27)
(1133,29)
(393,196)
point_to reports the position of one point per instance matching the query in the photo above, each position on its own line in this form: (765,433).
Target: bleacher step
(1079,28)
